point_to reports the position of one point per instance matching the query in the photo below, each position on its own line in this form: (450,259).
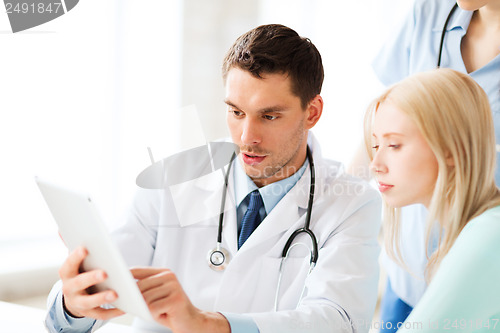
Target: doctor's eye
(236,113)
(270,117)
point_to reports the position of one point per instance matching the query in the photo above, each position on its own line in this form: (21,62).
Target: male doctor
(273,79)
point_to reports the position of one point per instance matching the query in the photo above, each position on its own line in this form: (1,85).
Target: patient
(431,141)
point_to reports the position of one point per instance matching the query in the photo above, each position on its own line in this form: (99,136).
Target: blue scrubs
(393,311)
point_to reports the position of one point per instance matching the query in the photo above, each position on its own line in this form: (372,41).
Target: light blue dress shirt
(271,194)
(414,48)
(59,321)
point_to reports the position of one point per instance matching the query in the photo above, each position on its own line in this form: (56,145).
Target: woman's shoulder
(477,246)
(483,229)
(487,220)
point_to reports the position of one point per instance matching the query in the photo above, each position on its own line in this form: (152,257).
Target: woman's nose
(377,166)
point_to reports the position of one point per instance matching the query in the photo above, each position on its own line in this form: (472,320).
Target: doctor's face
(268,123)
(405,167)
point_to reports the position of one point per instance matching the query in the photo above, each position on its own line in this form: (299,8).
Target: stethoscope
(441,45)
(218,258)
(444,33)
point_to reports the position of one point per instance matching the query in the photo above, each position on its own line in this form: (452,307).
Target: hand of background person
(171,307)
(76,298)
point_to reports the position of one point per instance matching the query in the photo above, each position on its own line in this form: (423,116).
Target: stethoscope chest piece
(218,258)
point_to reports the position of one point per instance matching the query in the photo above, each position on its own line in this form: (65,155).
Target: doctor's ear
(314,110)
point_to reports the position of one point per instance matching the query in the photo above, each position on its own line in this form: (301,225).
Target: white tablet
(81,225)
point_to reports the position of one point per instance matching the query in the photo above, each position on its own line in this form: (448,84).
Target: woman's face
(405,167)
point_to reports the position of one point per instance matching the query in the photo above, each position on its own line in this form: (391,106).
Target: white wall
(81,98)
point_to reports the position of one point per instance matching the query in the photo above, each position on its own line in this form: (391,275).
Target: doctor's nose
(251,133)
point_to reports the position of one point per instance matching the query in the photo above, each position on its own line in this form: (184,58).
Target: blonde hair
(453,114)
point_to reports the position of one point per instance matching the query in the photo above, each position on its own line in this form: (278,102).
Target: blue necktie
(251,219)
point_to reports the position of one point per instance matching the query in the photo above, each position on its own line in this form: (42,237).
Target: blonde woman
(432,142)
(459,34)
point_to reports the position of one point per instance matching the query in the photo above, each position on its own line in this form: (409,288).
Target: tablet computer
(80,224)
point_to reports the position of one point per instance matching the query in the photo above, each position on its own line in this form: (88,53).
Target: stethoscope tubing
(306,229)
(223,201)
(443,33)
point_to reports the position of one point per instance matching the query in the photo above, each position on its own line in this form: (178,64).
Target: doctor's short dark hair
(274,48)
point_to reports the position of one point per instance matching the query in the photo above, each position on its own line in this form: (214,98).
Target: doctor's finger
(155,281)
(145,272)
(79,283)
(88,302)
(103,314)
(165,293)
(71,265)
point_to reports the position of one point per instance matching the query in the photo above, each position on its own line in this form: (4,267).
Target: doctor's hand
(170,306)
(77,301)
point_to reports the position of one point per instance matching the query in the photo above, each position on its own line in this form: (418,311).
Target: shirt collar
(460,19)
(271,194)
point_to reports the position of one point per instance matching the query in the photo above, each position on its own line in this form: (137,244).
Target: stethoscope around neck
(218,258)
(443,33)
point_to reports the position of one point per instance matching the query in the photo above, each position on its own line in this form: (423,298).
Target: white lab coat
(341,290)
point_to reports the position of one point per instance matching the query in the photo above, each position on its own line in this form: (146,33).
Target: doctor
(273,79)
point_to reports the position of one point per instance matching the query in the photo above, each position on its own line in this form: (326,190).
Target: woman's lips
(384,187)
(252,159)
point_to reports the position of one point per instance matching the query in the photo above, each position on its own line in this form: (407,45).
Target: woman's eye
(375,147)
(394,146)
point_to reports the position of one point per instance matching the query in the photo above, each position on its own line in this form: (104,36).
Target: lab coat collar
(199,200)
